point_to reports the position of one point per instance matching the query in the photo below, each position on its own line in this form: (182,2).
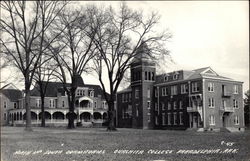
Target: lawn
(49,144)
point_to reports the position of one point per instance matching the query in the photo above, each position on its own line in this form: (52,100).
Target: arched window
(149,75)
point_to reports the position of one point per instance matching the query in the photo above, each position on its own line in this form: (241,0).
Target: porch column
(37,116)
(190,119)
(51,119)
(78,116)
(64,118)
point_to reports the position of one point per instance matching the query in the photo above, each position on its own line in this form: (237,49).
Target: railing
(192,109)
(227,109)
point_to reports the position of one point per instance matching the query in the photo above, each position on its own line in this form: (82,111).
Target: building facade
(198,99)
(90,105)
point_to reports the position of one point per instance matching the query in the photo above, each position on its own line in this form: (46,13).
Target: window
(175,76)
(235,103)
(164,91)
(211,120)
(123,100)
(169,106)
(137,110)
(137,93)
(173,90)
(95,104)
(162,106)
(211,87)
(163,119)
(146,75)
(195,87)
(211,102)
(156,92)
(38,103)
(148,93)
(5,104)
(169,118)
(125,97)
(15,105)
(224,104)
(236,120)
(184,88)
(104,104)
(181,118)
(125,112)
(156,120)
(165,78)
(129,97)
(148,105)
(149,75)
(153,76)
(156,107)
(63,104)
(149,117)
(91,93)
(236,89)
(5,116)
(175,105)
(180,104)
(175,118)
(51,103)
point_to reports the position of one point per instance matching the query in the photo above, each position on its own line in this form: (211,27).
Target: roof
(128,89)
(206,72)
(12,94)
(54,87)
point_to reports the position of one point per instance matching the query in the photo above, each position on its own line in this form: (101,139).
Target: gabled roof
(54,87)
(206,72)
(12,94)
(128,89)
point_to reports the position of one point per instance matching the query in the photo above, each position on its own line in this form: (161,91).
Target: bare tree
(43,75)
(119,38)
(73,51)
(24,26)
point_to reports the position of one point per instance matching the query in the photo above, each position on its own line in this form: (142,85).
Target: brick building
(90,106)
(200,99)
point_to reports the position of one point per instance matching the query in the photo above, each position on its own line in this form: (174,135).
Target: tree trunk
(71,115)
(27,107)
(111,116)
(42,112)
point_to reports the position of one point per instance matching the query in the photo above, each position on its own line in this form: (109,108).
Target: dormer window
(175,76)
(91,94)
(166,78)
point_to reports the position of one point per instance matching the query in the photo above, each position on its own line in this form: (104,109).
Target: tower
(142,81)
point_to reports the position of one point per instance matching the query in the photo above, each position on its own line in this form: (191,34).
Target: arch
(104,116)
(85,116)
(97,115)
(84,103)
(58,115)
(47,115)
(33,115)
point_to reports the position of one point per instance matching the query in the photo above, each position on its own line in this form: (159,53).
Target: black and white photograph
(124,80)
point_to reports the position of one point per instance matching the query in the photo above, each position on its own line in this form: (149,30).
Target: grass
(16,143)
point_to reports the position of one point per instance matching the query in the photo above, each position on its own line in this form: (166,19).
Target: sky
(205,33)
